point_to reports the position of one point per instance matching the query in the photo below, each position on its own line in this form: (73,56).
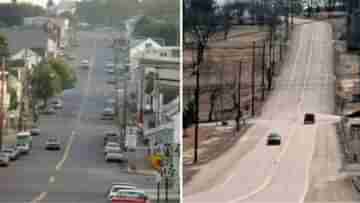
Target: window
(163,54)
(175,53)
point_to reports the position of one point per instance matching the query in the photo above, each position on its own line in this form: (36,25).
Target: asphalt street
(281,173)
(78,172)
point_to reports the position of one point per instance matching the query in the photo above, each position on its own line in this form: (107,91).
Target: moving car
(12,152)
(110,136)
(108,114)
(34,131)
(115,187)
(52,143)
(114,156)
(57,104)
(126,196)
(110,70)
(274,139)
(110,102)
(4,159)
(110,65)
(84,63)
(112,80)
(112,147)
(309,118)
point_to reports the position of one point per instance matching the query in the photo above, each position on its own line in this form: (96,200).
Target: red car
(130,196)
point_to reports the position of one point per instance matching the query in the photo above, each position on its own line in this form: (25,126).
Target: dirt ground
(213,142)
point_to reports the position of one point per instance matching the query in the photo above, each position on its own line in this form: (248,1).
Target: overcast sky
(38,2)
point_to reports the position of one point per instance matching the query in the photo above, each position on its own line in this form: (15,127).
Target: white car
(110,102)
(35,131)
(52,143)
(4,159)
(57,104)
(116,187)
(110,65)
(108,114)
(110,70)
(110,136)
(23,148)
(12,152)
(112,147)
(84,63)
(114,156)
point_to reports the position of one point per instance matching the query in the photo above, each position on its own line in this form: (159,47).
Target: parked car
(115,187)
(110,102)
(110,65)
(35,131)
(57,104)
(114,156)
(108,114)
(110,136)
(12,152)
(112,147)
(49,110)
(274,139)
(4,159)
(24,148)
(52,143)
(71,57)
(85,63)
(110,70)
(111,80)
(309,118)
(130,196)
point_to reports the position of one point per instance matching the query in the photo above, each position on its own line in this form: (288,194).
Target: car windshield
(8,150)
(52,139)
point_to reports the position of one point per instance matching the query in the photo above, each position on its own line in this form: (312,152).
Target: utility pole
(2,115)
(197,104)
(239,98)
(253,82)
(263,72)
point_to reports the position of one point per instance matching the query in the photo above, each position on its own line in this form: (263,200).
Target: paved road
(281,174)
(83,175)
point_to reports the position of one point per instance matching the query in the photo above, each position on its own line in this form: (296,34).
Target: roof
(18,39)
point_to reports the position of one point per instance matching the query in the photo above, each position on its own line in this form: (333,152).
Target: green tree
(153,28)
(4,50)
(13,99)
(65,73)
(45,82)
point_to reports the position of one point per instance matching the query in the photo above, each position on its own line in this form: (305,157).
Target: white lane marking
(307,172)
(39,198)
(227,180)
(77,125)
(277,161)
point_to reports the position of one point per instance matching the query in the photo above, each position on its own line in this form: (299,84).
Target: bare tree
(200,22)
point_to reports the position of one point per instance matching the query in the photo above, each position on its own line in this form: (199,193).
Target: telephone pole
(253,82)
(2,113)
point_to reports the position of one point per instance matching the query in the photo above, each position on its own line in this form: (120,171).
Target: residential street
(273,173)
(78,172)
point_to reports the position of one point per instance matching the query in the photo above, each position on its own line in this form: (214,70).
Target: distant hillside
(13,14)
(112,12)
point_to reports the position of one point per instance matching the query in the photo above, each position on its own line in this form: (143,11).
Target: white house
(137,48)
(31,57)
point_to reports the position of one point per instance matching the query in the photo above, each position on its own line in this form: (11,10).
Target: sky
(38,2)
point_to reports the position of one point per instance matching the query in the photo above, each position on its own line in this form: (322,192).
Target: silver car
(12,152)
(114,156)
(112,147)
